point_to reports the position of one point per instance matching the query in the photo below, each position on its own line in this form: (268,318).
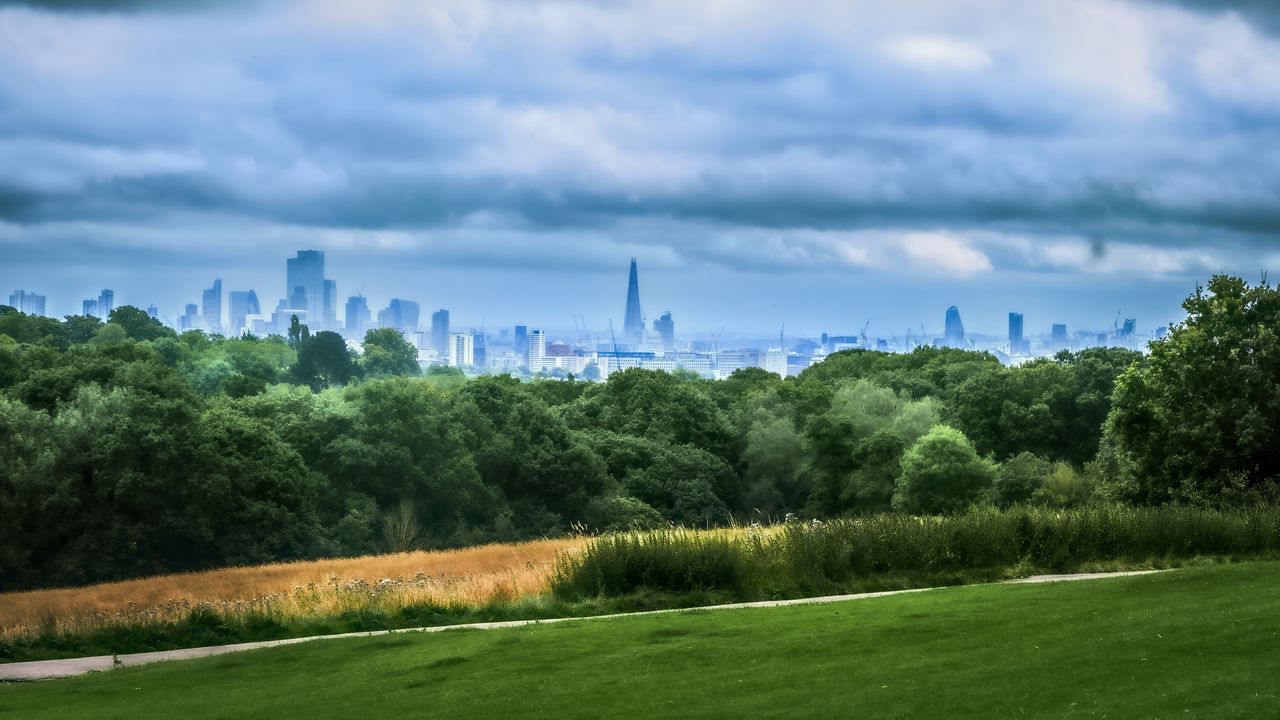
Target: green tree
(80,329)
(1018,478)
(324,361)
(1196,421)
(137,324)
(941,473)
(386,352)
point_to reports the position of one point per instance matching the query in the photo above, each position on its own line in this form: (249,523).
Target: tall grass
(803,558)
(275,600)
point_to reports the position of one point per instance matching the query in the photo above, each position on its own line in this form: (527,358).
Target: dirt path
(51,669)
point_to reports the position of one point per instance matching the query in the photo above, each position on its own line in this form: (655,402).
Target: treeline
(126,449)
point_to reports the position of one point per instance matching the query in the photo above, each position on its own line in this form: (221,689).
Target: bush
(941,473)
(799,559)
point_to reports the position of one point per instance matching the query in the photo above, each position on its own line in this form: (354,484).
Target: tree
(386,352)
(137,324)
(941,473)
(81,328)
(323,361)
(1019,478)
(1196,421)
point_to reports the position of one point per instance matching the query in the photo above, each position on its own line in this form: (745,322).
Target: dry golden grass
(466,577)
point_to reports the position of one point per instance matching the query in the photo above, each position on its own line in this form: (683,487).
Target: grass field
(1195,643)
(470,576)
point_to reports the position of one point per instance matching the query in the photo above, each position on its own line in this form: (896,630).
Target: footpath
(52,669)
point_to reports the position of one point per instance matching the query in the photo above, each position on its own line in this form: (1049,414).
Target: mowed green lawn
(1197,643)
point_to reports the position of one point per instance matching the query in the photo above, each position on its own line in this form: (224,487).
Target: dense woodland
(127,449)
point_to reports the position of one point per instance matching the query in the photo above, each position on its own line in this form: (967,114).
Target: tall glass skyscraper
(27,302)
(357,316)
(440,332)
(954,332)
(307,289)
(401,315)
(633,321)
(1015,334)
(211,307)
(243,303)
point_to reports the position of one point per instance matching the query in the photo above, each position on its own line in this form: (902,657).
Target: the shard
(633,323)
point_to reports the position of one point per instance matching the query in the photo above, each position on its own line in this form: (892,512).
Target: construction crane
(863,335)
(614,338)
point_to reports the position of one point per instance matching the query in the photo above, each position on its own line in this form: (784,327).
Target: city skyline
(312,294)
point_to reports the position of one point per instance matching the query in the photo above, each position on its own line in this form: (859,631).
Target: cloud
(915,139)
(938,53)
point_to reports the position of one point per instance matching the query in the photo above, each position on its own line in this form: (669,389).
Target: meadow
(621,572)
(274,595)
(1194,643)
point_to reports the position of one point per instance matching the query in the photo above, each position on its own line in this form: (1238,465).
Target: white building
(462,350)
(775,361)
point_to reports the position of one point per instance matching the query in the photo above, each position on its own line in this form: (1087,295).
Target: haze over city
(853,162)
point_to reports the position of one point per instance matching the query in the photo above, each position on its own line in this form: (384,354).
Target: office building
(357,317)
(537,350)
(211,307)
(27,302)
(521,343)
(481,357)
(153,312)
(1016,335)
(89,308)
(665,328)
(401,315)
(190,319)
(307,289)
(462,350)
(953,334)
(243,305)
(440,335)
(1058,339)
(774,360)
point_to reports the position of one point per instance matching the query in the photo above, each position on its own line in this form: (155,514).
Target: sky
(819,164)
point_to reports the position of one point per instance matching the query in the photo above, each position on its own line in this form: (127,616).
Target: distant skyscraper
(243,303)
(462,350)
(153,312)
(89,308)
(521,342)
(665,327)
(330,307)
(633,321)
(1058,339)
(1015,334)
(357,316)
(537,351)
(27,302)
(211,307)
(954,332)
(440,331)
(307,289)
(401,315)
(478,341)
(190,320)
(106,303)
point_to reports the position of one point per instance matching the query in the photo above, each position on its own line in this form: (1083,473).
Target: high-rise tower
(633,321)
(307,289)
(1015,334)
(211,305)
(954,332)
